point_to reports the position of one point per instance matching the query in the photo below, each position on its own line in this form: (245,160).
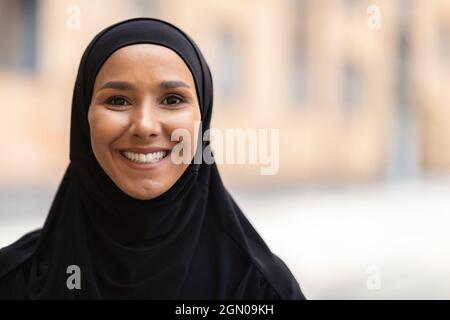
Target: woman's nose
(145,121)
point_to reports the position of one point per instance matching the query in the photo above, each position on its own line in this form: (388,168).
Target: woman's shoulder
(13,263)
(266,275)
(15,254)
(257,285)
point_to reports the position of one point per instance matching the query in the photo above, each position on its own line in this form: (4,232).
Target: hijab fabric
(126,248)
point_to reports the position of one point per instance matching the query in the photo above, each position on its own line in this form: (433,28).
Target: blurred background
(360,207)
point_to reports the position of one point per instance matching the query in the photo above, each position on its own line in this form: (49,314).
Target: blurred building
(430,79)
(315,69)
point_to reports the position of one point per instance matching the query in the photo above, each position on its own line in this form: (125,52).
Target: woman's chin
(144,193)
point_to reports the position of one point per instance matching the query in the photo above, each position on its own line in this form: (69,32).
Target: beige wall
(320,140)
(430,81)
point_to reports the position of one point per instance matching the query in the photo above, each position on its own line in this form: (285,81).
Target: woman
(129,222)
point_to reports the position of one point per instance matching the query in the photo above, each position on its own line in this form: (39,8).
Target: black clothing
(191,242)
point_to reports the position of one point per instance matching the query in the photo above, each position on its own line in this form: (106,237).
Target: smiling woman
(127,222)
(142,94)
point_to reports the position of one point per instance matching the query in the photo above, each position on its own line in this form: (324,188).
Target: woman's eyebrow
(173,84)
(124,85)
(118,85)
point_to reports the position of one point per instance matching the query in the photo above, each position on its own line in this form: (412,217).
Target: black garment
(191,242)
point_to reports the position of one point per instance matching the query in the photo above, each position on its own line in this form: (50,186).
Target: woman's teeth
(145,158)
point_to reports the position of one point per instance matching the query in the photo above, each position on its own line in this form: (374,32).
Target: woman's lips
(147,165)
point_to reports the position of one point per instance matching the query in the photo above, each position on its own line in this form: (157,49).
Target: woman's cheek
(187,125)
(108,124)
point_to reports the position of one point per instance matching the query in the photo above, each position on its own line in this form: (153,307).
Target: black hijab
(191,242)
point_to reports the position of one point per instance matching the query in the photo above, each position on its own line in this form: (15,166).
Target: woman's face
(142,93)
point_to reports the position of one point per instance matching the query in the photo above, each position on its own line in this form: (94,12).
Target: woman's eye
(172,100)
(117,101)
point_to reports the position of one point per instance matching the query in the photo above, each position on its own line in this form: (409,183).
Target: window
(228,75)
(351,86)
(18,24)
(299,64)
(444,43)
(145,7)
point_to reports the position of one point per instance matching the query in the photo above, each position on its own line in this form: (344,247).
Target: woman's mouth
(144,158)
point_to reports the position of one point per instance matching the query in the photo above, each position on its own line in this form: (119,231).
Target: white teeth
(145,158)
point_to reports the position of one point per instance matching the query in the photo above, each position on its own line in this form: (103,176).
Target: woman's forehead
(147,63)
